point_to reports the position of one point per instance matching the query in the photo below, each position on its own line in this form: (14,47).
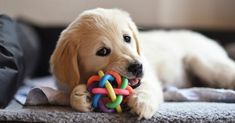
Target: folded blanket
(43,92)
(200,94)
(47,95)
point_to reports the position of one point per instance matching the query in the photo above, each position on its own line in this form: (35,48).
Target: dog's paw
(80,99)
(143,104)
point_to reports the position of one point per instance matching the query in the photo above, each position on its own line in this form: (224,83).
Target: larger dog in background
(108,39)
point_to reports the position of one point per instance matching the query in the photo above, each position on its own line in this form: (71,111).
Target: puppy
(107,39)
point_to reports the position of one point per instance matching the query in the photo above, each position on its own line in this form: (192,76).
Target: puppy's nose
(136,69)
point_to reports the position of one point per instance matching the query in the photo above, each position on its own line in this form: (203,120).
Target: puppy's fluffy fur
(166,58)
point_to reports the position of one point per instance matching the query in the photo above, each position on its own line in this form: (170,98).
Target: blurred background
(214,18)
(206,14)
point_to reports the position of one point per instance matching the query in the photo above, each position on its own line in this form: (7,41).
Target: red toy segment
(117,77)
(104,91)
(92,79)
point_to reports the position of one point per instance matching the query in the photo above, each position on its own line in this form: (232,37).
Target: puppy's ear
(135,33)
(131,26)
(64,61)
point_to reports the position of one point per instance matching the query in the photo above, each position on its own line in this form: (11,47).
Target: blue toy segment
(104,79)
(95,100)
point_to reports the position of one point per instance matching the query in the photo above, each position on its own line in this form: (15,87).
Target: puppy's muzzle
(136,69)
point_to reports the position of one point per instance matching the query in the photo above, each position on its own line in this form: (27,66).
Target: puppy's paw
(143,104)
(80,98)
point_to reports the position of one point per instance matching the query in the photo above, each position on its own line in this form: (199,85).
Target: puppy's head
(99,39)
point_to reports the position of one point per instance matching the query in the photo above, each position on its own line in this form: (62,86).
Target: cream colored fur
(173,53)
(166,56)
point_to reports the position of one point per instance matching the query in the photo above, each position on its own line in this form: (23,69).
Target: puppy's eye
(103,52)
(127,38)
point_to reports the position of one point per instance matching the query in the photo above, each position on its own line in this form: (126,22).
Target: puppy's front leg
(146,99)
(80,98)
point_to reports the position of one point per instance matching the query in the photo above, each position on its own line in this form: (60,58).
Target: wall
(209,14)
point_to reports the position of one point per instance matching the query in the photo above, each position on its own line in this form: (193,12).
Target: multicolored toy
(109,91)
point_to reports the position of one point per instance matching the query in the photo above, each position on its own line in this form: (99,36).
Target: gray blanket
(43,91)
(47,95)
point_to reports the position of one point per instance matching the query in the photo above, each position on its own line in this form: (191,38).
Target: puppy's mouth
(134,83)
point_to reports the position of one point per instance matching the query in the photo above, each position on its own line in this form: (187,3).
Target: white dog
(107,39)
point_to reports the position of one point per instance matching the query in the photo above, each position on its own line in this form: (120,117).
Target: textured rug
(183,112)
(169,112)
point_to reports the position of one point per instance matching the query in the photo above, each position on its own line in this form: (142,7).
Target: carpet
(169,112)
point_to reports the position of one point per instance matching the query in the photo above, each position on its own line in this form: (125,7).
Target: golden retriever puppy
(107,39)
(104,39)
